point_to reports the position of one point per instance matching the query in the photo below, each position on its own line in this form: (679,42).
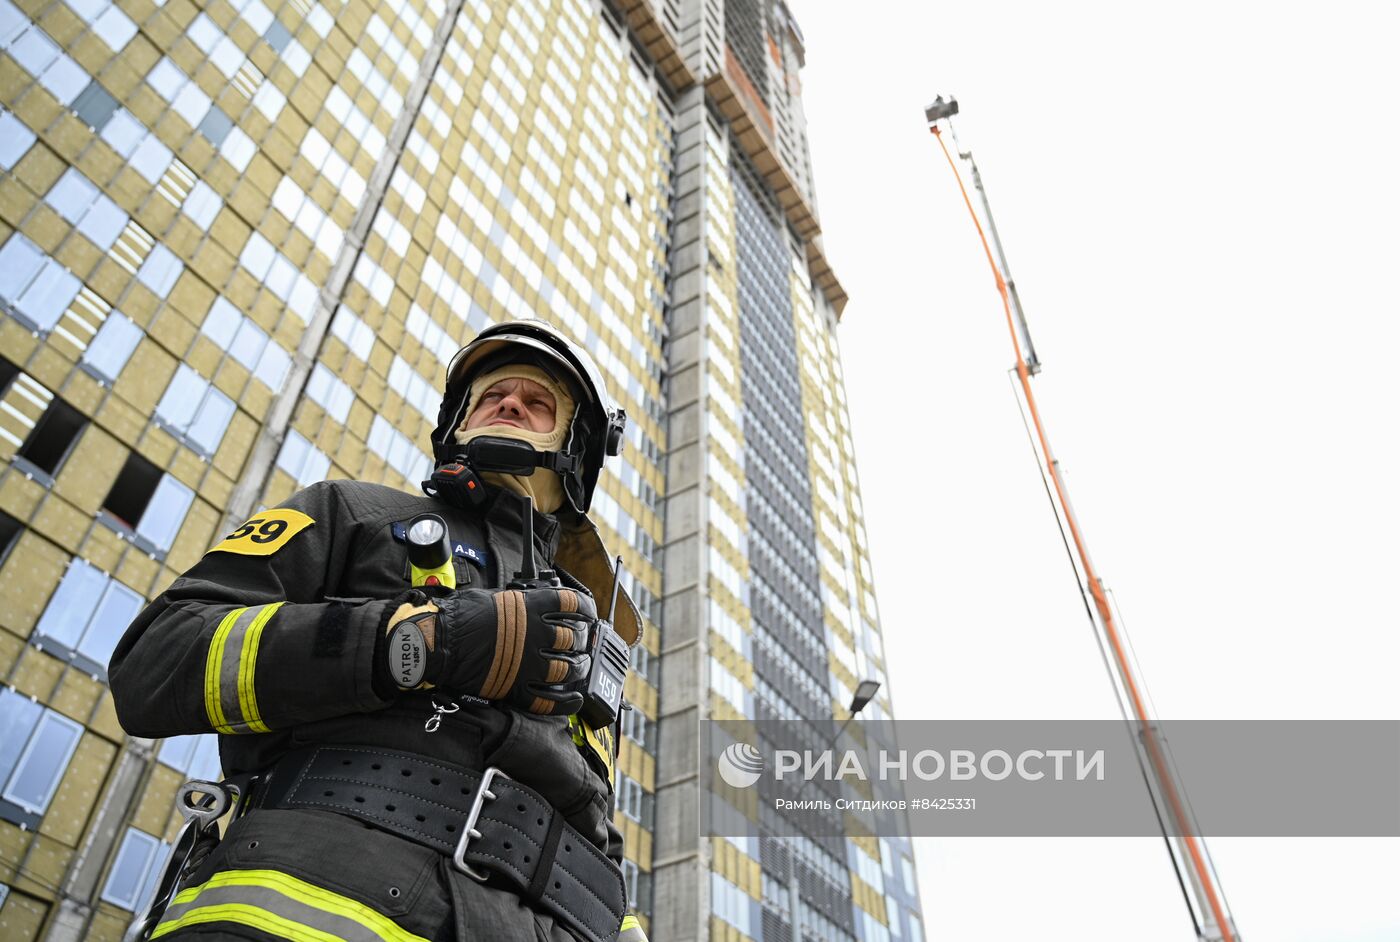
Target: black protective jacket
(269,640)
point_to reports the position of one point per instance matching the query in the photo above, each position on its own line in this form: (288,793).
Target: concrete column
(680,863)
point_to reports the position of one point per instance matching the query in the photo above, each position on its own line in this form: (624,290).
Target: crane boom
(1187,849)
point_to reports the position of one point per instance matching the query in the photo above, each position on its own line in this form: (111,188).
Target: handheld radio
(607,672)
(608,656)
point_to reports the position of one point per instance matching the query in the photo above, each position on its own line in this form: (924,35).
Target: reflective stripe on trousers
(229,697)
(631,930)
(281,905)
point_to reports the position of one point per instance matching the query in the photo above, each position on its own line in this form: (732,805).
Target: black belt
(494,828)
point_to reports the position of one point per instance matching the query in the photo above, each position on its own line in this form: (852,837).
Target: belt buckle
(469,831)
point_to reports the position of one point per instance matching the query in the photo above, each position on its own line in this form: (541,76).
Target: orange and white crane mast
(1205,898)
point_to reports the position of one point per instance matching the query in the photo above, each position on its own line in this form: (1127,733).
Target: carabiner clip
(201,804)
(218,798)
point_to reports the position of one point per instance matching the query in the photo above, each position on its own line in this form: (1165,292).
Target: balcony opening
(53,437)
(132,492)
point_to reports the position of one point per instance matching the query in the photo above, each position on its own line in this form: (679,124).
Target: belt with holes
(494,828)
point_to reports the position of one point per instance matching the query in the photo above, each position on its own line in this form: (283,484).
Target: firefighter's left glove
(526,646)
(407,654)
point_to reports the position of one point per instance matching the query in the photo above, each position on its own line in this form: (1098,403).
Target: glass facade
(789,653)
(239,243)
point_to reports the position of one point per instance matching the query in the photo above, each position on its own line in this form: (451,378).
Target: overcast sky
(1199,204)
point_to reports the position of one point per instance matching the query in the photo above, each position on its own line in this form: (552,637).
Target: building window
(133,877)
(277,36)
(39,55)
(638,883)
(24,404)
(907,869)
(724,684)
(634,801)
(148,503)
(247,343)
(216,44)
(630,871)
(112,346)
(38,288)
(281,277)
(195,756)
(160,271)
(142,149)
(216,124)
(53,437)
(731,904)
(95,106)
(867,926)
(330,392)
(86,616)
(108,22)
(202,204)
(78,200)
(359,336)
(629,797)
(641,663)
(36,745)
(398,450)
(302,460)
(416,391)
(195,411)
(639,729)
(302,211)
(238,149)
(15,140)
(10,529)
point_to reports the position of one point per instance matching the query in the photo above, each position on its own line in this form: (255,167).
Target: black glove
(522,645)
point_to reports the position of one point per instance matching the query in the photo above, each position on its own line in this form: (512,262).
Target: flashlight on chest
(430,553)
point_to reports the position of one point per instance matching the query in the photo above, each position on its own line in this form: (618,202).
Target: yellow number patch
(265,533)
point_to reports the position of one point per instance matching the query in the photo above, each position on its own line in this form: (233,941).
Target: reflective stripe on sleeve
(281,905)
(229,695)
(213,661)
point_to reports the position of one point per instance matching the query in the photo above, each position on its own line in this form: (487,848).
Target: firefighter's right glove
(522,645)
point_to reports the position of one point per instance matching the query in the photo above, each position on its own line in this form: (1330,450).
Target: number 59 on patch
(265,533)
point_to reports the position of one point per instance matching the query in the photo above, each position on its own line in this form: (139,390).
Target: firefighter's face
(518,402)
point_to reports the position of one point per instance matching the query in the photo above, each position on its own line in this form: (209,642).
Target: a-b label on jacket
(264,533)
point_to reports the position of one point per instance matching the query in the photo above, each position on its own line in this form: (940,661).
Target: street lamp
(863,695)
(865,692)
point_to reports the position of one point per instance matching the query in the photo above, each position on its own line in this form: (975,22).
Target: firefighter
(404,743)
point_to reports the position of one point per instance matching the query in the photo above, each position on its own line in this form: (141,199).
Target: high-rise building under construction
(239,241)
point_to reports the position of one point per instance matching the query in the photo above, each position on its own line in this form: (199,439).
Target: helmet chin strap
(457,477)
(505,456)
